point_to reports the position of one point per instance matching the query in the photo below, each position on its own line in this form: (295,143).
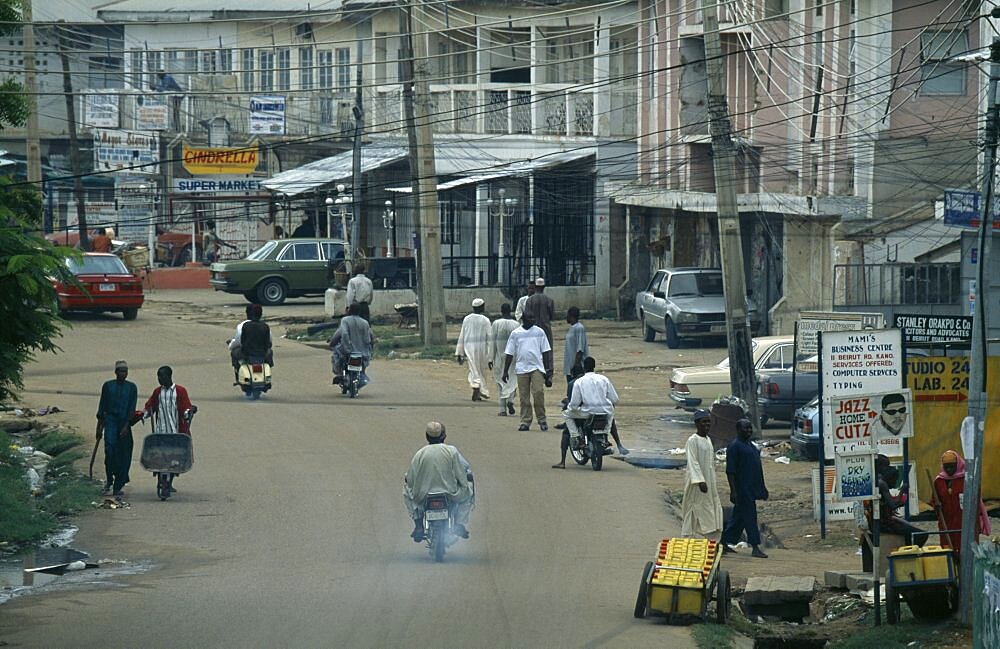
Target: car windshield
(696,284)
(724,363)
(261,252)
(97,266)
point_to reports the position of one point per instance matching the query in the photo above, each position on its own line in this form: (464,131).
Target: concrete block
(772,589)
(860,581)
(836,578)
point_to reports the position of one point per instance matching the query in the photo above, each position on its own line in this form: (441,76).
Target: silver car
(683,303)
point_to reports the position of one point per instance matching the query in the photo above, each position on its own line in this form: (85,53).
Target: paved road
(290,531)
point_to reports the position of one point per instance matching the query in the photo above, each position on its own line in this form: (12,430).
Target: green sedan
(280,269)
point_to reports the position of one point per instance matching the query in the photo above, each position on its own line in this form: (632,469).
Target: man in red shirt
(170,409)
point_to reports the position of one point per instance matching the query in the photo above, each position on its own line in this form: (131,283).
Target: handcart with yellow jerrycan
(926,578)
(682,581)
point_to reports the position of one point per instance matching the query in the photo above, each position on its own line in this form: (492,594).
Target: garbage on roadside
(783,460)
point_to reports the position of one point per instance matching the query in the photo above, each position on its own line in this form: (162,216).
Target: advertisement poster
(151,114)
(843,510)
(855,476)
(857,422)
(267,115)
(132,150)
(100,110)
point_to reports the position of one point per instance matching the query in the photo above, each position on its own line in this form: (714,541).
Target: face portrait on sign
(893,420)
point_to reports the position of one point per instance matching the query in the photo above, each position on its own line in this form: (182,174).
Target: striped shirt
(166,414)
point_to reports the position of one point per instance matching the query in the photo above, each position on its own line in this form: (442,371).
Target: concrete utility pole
(74,147)
(424,178)
(741,370)
(34,152)
(359,127)
(980,350)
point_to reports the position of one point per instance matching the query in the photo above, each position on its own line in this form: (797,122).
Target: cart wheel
(640,601)
(891,603)
(723,595)
(162,486)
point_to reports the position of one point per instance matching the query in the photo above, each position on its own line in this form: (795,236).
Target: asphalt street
(290,530)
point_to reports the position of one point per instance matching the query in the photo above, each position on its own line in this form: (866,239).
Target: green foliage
(27,297)
(712,636)
(69,495)
(56,442)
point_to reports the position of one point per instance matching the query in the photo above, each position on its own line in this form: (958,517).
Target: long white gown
(474,345)
(501,328)
(701,513)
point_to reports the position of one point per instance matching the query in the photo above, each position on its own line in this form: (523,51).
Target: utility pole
(359,127)
(980,349)
(424,178)
(34,153)
(74,146)
(741,369)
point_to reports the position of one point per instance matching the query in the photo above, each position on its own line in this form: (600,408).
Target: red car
(105,285)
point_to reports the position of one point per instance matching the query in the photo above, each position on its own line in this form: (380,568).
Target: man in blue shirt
(118,399)
(746,487)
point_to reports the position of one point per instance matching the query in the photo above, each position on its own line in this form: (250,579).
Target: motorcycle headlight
(687,318)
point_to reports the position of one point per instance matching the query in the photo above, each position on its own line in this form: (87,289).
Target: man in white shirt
(530,347)
(360,291)
(593,394)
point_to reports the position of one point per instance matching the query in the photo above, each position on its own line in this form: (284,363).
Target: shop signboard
(218,185)
(100,110)
(152,114)
(216,161)
(135,151)
(267,115)
(811,323)
(933,329)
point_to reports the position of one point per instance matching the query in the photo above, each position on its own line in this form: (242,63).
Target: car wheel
(648,333)
(673,340)
(763,420)
(250,296)
(130,314)
(272,292)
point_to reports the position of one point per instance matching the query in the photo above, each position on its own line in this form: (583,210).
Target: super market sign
(218,185)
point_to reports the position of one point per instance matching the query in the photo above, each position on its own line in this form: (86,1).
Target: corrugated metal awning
(516,168)
(339,167)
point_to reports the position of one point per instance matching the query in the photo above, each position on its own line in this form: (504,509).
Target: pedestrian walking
(501,330)
(533,354)
(541,308)
(746,486)
(576,346)
(474,345)
(114,425)
(701,509)
(521,301)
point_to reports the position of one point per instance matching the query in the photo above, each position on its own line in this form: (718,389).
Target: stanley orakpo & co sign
(220,161)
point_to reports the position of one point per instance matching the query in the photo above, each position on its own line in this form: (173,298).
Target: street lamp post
(388,222)
(329,216)
(503,208)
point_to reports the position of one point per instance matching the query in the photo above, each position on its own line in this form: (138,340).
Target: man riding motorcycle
(353,336)
(252,339)
(593,394)
(438,468)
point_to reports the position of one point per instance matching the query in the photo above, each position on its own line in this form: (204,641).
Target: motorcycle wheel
(579,454)
(162,486)
(255,394)
(437,541)
(353,389)
(596,457)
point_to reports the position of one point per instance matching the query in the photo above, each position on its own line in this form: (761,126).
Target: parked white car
(695,387)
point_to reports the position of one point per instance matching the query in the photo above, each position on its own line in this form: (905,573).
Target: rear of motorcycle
(438,524)
(592,444)
(254,377)
(353,375)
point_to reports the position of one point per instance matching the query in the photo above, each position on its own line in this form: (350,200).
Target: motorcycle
(439,522)
(253,377)
(592,444)
(354,375)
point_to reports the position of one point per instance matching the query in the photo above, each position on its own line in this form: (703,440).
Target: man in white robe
(701,510)
(438,468)
(474,346)
(500,330)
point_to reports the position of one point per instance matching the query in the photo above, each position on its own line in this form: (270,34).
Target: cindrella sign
(220,161)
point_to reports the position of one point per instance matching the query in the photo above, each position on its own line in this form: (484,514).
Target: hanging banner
(135,151)
(220,161)
(151,114)
(267,115)
(100,110)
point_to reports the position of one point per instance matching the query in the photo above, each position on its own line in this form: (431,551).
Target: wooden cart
(682,581)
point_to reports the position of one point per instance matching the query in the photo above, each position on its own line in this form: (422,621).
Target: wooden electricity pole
(980,348)
(741,368)
(34,153)
(424,178)
(74,146)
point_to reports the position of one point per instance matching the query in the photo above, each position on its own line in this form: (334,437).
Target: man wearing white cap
(474,345)
(701,509)
(114,425)
(541,309)
(438,468)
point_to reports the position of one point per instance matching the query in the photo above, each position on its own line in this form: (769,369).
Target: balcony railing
(896,284)
(542,109)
